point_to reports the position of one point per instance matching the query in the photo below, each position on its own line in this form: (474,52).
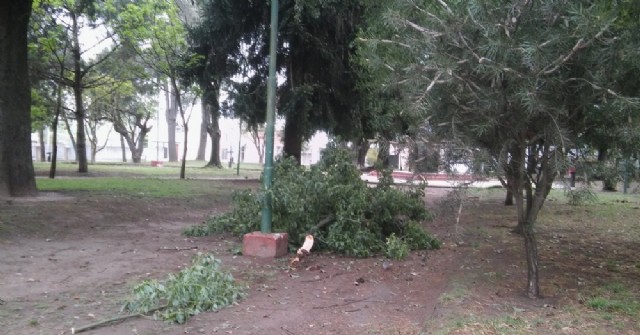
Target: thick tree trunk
(213,129)
(16,165)
(202,146)
(508,200)
(81,144)
(293,137)
(172,113)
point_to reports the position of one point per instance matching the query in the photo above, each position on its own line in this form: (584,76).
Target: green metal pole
(265,225)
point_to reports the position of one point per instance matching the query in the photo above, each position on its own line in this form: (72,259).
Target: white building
(156,144)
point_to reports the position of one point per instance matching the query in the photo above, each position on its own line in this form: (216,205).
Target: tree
(72,17)
(127,99)
(496,76)
(217,38)
(315,57)
(16,167)
(154,29)
(95,118)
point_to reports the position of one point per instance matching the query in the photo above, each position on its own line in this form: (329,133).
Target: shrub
(356,219)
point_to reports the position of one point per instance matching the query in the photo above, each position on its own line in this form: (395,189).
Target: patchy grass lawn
(589,269)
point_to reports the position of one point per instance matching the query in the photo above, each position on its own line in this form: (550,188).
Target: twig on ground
(341,304)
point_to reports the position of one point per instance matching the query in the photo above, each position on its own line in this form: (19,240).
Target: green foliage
(333,203)
(580,196)
(201,287)
(396,248)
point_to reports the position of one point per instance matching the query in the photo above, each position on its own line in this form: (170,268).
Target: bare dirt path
(69,260)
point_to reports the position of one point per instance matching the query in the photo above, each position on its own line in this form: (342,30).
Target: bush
(357,218)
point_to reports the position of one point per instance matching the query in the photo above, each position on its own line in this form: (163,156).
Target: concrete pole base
(265,245)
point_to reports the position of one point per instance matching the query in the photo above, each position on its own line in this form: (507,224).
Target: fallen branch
(112,320)
(321,224)
(178,248)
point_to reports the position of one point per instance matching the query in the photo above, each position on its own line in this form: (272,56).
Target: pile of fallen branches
(330,201)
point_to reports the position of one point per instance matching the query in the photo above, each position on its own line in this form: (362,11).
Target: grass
(597,241)
(193,169)
(613,298)
(142,180)
(135,187)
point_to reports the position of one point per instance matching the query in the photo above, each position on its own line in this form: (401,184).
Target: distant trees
(510,78)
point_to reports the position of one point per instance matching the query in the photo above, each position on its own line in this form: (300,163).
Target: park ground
(71,256)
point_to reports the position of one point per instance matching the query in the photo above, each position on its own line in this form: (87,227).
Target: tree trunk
(214,133)
(70,133)
(508,200)
(54,129)
(16,165)
(363,148)
(172,113)
(42,152)
(178,102)
(383,153)
(531,250)
(202,146)
(293,138)
(81,144)
(124,149)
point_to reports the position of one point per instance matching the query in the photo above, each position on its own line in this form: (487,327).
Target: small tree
(496,76)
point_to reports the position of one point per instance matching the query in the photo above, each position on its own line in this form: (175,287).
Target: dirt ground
(68,260)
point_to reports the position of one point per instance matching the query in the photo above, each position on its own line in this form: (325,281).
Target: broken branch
(112,320)
(303,251)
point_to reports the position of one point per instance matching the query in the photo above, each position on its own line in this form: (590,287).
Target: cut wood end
(303,251)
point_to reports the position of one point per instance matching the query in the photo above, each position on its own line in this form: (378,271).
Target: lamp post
(265,225)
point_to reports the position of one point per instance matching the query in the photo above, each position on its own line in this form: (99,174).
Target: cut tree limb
(303,251)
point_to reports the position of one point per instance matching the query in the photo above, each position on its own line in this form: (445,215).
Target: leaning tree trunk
(17,177)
